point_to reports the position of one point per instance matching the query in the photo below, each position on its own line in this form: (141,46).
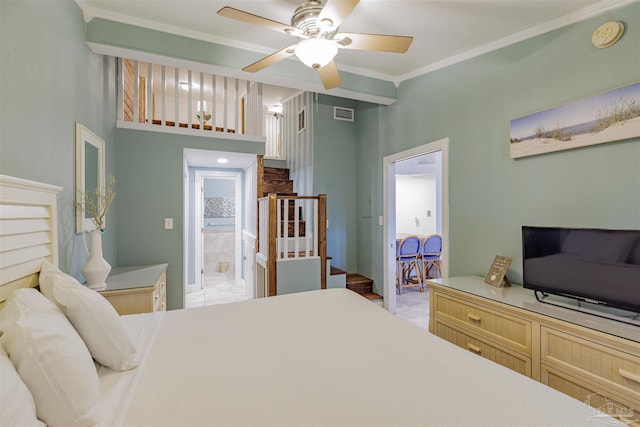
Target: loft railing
(289,228)
(193,101)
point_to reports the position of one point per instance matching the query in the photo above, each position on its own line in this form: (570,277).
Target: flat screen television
(593,265)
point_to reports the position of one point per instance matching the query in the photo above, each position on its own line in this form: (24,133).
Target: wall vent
(341,113)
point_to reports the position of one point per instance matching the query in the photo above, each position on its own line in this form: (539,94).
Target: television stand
(592,359)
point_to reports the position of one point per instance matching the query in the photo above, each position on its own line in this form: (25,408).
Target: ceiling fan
(317,26)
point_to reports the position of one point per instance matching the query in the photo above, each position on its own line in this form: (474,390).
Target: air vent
(341,113)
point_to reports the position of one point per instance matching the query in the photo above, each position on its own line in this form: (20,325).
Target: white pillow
(17,408)
(51,359)
(93,316)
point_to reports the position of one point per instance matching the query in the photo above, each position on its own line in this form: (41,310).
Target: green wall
(369,192)
(49,80)
(119,35)
(334,174)
(152,165)
(491,195)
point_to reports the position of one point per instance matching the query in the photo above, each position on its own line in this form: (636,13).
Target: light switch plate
(168,223)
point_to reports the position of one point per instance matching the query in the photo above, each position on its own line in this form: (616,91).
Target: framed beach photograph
(598,119)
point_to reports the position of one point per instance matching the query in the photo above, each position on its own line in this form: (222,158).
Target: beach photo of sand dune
(607,117)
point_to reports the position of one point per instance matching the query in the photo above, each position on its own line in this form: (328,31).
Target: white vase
(96,270)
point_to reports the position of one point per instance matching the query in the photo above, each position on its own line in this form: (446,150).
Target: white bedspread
(322,358)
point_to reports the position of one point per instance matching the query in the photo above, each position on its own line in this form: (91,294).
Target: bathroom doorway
(218,225)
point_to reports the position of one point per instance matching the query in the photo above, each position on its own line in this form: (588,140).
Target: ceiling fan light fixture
(316,52)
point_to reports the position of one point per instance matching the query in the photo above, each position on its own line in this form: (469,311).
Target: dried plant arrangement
(96,202)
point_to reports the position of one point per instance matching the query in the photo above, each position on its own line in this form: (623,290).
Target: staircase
(290,228)
(363,286)
(276,180)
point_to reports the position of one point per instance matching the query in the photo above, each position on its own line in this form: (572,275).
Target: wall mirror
(90,172)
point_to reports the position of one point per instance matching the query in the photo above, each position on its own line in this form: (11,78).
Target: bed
(326,357)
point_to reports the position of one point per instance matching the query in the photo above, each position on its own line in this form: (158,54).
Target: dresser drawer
(591,394)
(513,361)
(506,329)
(612,368)
(137,289)
(159,293)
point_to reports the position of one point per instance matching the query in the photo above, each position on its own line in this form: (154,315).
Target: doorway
(436,220)
(218,224)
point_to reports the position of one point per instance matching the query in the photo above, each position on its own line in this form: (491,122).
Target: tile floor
(217,288)
(222,288)
(413,306)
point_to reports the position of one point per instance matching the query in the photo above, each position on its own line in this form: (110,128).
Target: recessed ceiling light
(222,160)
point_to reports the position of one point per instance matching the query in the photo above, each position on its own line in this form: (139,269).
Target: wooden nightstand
(137,289)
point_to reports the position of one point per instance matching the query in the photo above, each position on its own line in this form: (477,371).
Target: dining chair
(430,257)
(408,271)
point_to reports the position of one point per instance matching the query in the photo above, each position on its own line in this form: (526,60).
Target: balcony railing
(196,102)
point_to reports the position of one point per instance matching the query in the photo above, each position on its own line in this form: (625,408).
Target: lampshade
(316,52)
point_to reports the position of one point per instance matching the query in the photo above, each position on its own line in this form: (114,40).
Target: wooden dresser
(592,359)
(137,289)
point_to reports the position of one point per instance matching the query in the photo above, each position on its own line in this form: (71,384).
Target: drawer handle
(629,375)
(474,348)
(474,317)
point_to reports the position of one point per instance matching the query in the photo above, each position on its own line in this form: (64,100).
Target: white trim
(200,176)
(529,33)
(572,18)
(169,29)
(266,78)
(301,118)
(185,226)
(27,184)
(85,135)
(198,235)
(389,218)
(191,132)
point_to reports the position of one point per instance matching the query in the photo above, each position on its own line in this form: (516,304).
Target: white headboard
(28,231)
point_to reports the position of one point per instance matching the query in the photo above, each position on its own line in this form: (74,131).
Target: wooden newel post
(322,238)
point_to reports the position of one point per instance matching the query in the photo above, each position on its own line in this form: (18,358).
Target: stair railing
(289,228)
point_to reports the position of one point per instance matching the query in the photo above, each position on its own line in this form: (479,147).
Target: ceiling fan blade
(377,42)
(330,76)
(250,18)
(335,11)
(270,60)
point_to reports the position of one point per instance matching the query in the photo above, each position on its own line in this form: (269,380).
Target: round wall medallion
(607,34)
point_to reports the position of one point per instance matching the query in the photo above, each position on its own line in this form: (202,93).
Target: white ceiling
(444,31)
(210,158)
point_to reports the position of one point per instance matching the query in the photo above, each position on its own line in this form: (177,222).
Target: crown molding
(91,13)
(581,15)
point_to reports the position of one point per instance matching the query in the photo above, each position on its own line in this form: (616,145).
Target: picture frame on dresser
(497,274)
